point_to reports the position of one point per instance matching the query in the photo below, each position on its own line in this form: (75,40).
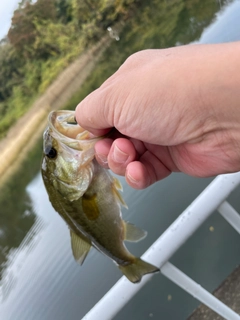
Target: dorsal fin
(117,184)
(115,187)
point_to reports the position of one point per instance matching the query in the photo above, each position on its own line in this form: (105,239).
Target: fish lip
(53,114)
(52,117)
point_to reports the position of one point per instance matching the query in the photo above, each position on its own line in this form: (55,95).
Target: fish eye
(51,153)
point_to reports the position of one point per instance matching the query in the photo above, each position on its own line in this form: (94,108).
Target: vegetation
(44,37)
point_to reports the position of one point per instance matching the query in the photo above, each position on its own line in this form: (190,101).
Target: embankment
(28,129)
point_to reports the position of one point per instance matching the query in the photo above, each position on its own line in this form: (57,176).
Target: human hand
(173,110)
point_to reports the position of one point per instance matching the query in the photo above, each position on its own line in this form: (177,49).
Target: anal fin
(80,247)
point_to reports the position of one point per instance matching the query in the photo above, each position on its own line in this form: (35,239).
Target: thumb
(93,114)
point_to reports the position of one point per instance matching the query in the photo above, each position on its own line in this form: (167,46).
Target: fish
(87,196)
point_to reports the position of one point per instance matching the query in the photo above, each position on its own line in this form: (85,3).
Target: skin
(172,110)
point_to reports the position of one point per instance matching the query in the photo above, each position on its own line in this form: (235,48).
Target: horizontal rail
(198,292)
(230,215)
(167,244)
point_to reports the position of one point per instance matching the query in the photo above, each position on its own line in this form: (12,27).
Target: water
(39,277)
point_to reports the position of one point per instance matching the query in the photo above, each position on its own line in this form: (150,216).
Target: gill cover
(69,152)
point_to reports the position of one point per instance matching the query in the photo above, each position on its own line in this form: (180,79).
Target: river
(40,279)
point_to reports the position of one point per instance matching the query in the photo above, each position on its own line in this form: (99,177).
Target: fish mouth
(64,128)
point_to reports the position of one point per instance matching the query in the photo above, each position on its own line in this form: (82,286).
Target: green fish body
(87,196)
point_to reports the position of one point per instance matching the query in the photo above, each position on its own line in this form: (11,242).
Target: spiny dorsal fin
(115,187)
(80,247)
(117,184)
(133,233)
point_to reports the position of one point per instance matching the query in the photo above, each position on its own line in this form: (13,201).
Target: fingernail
(102,158)
(119,156)
(131,179)
(133,182)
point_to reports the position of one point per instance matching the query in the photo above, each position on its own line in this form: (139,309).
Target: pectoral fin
(90,206)
(80,247)
(133,233)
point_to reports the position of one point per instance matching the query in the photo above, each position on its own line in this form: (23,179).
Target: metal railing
(211,199)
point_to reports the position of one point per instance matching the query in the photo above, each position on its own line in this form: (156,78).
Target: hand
(174,109)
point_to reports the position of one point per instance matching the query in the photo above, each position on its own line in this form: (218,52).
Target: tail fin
(137,269)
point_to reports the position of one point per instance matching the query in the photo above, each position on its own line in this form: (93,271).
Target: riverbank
(29,128)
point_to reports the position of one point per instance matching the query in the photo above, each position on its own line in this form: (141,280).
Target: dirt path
(28,129)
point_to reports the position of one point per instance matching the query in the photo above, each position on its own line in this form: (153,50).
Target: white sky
(7,8)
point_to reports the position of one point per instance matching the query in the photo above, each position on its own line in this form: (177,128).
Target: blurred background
(41,42)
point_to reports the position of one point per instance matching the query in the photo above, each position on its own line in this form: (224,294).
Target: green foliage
(64,11)
(55,39)
(13,109)
(33,77)
(23,33)
(50,70)
(10,70)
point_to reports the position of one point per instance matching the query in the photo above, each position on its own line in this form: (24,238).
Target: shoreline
(28,129)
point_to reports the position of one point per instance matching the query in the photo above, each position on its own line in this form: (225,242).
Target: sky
(7,8)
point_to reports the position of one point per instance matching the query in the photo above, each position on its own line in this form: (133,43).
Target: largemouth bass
(87,196)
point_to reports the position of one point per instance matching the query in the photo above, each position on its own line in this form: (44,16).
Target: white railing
(211,199)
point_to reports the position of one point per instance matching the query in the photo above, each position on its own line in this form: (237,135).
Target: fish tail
(135,270)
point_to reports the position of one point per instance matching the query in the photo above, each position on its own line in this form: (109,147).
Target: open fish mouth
(64,128)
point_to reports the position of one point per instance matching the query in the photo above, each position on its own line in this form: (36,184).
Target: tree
(64,11)
(10,74)
(22,32)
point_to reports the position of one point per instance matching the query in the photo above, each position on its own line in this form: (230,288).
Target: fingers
(102,149)
(148,170)
(116,154)
(131,159)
